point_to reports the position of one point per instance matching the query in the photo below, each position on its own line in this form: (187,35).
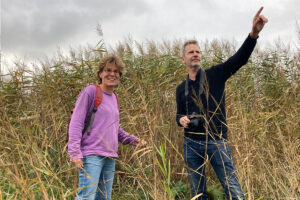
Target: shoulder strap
(201,87)
(99,96)
(97,102)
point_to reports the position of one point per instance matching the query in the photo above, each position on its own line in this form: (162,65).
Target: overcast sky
(31,29)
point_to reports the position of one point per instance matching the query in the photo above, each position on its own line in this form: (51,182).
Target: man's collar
(197,76)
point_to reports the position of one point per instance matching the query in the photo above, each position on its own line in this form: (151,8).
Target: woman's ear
(99,76)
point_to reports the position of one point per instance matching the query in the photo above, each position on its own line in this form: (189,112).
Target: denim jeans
(196,156)
(96,178)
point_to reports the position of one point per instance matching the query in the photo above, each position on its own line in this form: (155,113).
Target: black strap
(186,89)
(88,125)
(91,121)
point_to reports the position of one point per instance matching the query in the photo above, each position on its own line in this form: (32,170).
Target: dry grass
(263,111)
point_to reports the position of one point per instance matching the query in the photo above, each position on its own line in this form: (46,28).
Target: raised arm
(240,58)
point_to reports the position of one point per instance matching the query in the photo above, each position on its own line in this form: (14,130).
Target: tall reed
(263,111)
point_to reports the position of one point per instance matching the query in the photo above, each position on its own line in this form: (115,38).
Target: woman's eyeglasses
(110,71)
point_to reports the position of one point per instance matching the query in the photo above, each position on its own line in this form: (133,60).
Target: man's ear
(182,60)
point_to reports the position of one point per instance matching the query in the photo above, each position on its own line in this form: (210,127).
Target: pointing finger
(259,11)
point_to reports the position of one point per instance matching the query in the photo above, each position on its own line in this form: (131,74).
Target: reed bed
(263,111)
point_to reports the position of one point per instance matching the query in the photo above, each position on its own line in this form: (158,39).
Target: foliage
(263,105)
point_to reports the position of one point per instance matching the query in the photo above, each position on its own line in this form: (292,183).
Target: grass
(263,112)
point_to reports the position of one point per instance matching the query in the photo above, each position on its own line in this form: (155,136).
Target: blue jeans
(196,156)
(96,178)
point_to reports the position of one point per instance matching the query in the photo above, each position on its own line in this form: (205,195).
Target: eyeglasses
(110,71)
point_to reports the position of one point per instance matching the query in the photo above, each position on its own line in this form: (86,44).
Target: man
(201,111)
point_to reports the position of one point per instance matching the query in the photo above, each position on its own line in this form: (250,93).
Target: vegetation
(263,111)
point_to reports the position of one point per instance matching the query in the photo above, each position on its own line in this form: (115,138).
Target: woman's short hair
(110,59)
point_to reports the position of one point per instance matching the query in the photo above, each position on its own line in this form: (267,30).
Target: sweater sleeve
(77,124)
(126,138)
(240,58)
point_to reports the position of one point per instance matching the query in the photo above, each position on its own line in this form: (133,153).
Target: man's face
(192,56)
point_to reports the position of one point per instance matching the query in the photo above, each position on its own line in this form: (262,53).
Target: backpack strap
(99,96)
(97,102)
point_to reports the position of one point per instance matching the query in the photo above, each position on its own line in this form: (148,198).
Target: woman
(93,151)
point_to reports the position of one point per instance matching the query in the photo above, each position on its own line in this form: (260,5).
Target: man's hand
(140,143)
(258,24)
(184,121)
(78,163)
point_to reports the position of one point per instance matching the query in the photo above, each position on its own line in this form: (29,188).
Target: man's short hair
(188,42)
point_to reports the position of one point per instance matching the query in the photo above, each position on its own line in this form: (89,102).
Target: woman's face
(110,75)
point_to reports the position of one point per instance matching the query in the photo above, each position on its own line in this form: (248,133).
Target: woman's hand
(78,163)
(140,143)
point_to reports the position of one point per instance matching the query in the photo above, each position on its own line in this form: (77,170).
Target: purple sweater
(106,131)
